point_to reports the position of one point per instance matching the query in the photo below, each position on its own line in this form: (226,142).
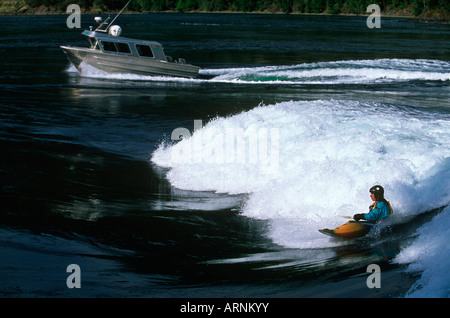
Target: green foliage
(286,6)
(187,5)
(220,5)
(59,4)
(334,6)
(318,6)
(33,3)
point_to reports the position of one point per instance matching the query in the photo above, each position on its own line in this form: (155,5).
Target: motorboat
(110,52)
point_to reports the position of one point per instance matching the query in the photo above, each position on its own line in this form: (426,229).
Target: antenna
(119,13)
(110,23)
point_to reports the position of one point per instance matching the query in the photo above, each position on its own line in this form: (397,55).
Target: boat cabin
(125,46)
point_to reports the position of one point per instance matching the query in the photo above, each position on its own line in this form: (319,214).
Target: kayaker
(379,210)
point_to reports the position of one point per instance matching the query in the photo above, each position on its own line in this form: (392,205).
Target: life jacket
(375,204)
(390,208)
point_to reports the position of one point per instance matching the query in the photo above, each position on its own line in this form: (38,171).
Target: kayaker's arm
(379,212)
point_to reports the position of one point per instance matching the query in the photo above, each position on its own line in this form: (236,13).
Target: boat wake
(323,157)
(300,165)
(337,72)
(304,163)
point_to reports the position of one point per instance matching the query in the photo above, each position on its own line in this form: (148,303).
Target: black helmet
(378,191)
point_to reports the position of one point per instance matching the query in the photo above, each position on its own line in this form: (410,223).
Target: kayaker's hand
(358,217)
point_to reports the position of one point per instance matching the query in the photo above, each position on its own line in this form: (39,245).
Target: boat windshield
(93,43)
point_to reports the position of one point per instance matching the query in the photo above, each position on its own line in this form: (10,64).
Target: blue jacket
(378,212)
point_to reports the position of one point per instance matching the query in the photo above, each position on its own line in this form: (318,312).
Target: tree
(187,5)
(318,6)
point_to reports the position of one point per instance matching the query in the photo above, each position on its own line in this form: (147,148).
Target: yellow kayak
(351,229)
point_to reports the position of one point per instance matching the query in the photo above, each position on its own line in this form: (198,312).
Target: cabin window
(109,46)
(123,47)
(116,47)
(144,50)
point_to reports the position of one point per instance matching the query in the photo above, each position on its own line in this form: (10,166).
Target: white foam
(335,72)
(338,72)
(430,254)
(329,154)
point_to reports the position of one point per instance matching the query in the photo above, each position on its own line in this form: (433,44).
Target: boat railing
(103,27)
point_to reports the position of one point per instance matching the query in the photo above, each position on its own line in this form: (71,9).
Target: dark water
(78,185)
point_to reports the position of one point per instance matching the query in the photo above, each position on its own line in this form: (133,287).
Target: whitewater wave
(430,254)
(336,72)
(323,158)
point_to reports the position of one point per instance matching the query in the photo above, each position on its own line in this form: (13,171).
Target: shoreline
(20,8)
(410,18)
